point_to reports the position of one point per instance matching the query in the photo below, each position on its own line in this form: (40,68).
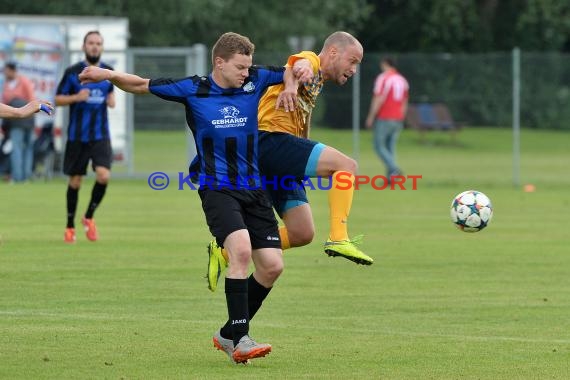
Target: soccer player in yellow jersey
(286,151)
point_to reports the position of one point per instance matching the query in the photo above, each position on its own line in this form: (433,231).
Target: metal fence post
(516,115)
(130,120)
(356,115)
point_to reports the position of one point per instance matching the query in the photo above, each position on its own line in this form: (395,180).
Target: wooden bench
(425,117)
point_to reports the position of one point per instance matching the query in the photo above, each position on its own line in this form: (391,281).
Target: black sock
(236,298)
(72,195)
(96,197)
(256,293)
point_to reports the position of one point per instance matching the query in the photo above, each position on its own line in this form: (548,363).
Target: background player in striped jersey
(88,136)
(221,110)
(285,150)
(387,113)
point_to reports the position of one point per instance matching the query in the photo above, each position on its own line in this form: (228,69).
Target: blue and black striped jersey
(224,123)
(88,120)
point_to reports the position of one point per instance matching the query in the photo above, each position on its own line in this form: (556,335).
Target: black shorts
(228,211)
(78,154)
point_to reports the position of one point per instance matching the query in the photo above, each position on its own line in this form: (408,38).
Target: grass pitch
(437,304)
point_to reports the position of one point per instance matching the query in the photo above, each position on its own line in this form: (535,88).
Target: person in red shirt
(387,113)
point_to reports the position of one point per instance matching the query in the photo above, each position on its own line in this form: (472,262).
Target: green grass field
(437,304)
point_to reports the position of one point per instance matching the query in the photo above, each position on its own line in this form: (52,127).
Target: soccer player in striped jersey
(285,150)
(221,110)
(88,136)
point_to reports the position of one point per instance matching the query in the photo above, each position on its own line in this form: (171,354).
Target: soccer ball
(471,211)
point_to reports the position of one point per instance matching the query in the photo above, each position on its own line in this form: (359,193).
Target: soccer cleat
(223,344)
(226,345)
(69,235)
(247,349)
(348,250)
(216,264)
(90,229)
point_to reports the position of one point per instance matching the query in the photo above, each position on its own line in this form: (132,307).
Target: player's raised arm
(300,72)
(126,82)
(288,97)
(303,70)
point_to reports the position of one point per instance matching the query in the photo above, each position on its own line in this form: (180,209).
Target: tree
(544,25)
(185,22)
(381,25)
(467,26)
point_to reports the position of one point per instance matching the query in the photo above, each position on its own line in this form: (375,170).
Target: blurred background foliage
(382,25)
(452,51)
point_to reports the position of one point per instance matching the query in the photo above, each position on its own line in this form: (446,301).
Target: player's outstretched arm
(125,81)
(28,110)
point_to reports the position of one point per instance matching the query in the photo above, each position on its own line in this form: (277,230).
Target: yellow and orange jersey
(297,122)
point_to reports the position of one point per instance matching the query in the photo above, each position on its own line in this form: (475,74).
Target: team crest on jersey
(231,118)
(249,87)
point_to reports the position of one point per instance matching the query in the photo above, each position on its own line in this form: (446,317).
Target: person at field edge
(221,111)
(285,150)
(387,113)
(88,135)
(17,92)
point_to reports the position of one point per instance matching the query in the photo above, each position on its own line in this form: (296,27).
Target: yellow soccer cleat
(216,265)
(348,250)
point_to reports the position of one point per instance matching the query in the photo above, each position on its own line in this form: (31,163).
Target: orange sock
(340,201)
(284,238)
(225,254)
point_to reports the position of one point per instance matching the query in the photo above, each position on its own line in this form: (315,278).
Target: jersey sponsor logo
(249,87)
(96,96)
(272,238)
(231,118)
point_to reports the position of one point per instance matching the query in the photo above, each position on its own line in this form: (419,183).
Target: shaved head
(341,40)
